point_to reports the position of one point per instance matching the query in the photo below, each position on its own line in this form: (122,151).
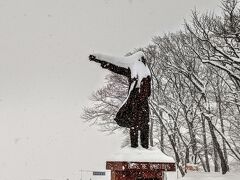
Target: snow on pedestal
(132,163)
(140,154)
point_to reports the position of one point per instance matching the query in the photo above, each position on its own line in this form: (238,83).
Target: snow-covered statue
(134,112)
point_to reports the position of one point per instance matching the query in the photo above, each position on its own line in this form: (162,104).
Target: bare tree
(195,102)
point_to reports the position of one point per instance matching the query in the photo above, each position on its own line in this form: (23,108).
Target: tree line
(195,101)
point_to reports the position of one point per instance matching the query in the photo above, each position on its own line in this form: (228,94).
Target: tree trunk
(176,155)
(151,133)
(203,164)
(215,159)
(205,145)
(162,138)
(223,140)
(186,158)
(219,100)
(217,146)
(193,141)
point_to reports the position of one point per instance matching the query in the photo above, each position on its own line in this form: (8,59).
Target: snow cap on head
(137,56)
(139,69)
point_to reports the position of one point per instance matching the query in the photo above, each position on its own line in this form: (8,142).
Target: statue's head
(143,60)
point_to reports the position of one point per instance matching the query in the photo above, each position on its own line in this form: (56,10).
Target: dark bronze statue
(134,113)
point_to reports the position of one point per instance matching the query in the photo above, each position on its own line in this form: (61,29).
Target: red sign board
(134,170)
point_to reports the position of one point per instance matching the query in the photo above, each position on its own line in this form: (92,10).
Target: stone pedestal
(139,164)
(122,170)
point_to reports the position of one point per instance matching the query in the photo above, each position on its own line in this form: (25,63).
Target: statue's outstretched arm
(111,67)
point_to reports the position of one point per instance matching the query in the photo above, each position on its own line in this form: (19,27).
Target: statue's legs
(144,136)
(134,137)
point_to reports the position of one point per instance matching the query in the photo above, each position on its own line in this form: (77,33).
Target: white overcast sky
(46,78)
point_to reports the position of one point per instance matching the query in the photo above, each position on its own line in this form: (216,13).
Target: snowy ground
(211,176)
(88,175)
(170,176)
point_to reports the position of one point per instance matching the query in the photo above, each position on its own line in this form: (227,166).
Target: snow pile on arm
(133,62)
(118,61)
(140,154)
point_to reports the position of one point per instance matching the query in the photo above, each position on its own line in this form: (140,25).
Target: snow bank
(133,62)
(210,176)
(170,175)
(129,154)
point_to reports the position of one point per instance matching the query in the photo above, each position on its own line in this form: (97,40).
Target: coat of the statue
(135,110)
